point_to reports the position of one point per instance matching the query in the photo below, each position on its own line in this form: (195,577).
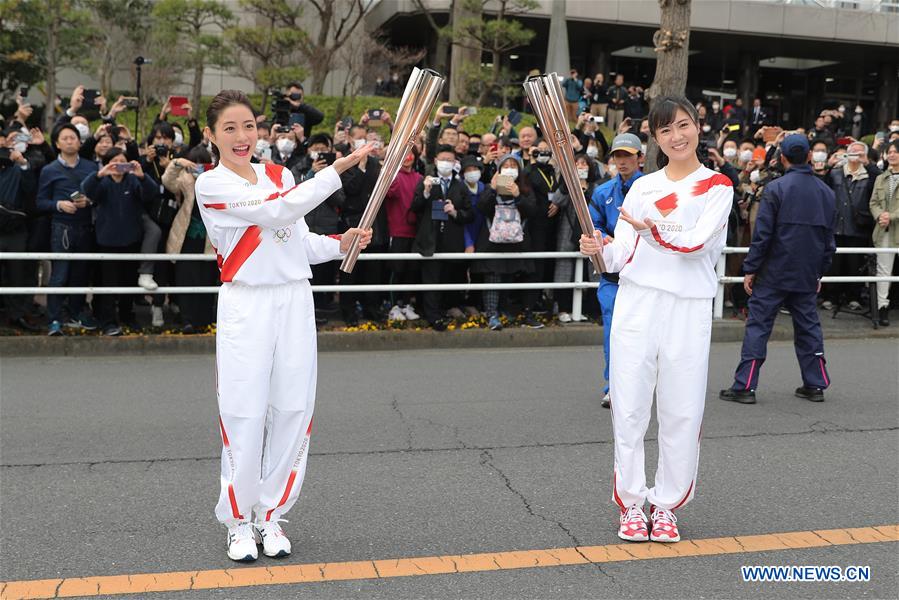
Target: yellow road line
(144,583)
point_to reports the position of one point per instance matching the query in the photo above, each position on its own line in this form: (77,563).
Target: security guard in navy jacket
(792,247)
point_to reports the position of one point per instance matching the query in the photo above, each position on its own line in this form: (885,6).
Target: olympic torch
(545,95)
(418,101)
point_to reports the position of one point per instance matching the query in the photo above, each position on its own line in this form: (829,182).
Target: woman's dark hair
(111,154)
(223,100)
(199,155)
(663,113)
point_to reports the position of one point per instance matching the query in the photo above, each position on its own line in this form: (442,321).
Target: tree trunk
(320,68)
(672,46)
(465,50)
(197,89)
(52,52)
(494,80)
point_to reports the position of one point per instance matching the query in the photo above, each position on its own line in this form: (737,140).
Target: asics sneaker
(242,542)
(633,524)
(664,525)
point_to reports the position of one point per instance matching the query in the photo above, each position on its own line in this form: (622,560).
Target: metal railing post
(577,297)
(719,294)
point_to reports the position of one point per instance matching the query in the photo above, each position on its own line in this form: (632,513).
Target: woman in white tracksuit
(670,234)
(266,338)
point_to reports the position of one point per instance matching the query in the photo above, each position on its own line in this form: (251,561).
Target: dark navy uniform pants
(807,337)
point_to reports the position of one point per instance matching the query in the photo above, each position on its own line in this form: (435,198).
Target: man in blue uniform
(607,199)
(792,247)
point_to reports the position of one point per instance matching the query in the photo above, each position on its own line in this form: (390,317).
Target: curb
(377,341)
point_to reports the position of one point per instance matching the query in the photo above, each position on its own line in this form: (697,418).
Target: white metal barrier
(578,285)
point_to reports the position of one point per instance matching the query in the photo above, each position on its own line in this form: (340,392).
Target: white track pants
(660,343)
(266,368)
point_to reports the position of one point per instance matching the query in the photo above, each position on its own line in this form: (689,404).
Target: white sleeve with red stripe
(620,252)
(711,225)
(320,248)
(230,205)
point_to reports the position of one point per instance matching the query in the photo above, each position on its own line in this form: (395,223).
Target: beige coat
(879,204)
(181,182)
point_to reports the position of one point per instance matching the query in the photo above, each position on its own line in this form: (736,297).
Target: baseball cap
(627,142)
(795,148)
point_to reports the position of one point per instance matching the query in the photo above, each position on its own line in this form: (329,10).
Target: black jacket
(441,236)
(853,197)
(357,189)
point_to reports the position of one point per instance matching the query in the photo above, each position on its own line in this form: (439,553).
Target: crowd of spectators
(76,189)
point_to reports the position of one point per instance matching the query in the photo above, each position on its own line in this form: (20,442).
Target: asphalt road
(110,466)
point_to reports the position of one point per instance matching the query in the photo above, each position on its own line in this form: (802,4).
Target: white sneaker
(855,305)
(827,305)
(564,317)
(396,314)
(157,320)
(274,543)
(146,281)
(242,542)
(410,313)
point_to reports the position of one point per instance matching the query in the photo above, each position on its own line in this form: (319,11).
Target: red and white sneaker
(664,525)
(633,524)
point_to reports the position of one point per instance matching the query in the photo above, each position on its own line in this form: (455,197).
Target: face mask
(894,128)
(509,172)
(592,151)
(84,131)
(729,153)
(472,177)
(583,173)
(358,144)
(285,146)
(543,159)
(706,128)
(20,147)
(613,170)
(444,168)
(179,138)
(819,156)
(262,146)
(745,156)
(755,176)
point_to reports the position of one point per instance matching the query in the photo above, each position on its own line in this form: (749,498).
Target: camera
(161,150)
(597,119)
(280,107)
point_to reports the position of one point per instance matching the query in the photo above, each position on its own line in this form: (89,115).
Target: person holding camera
(324,219)
(442,208)
(120,192)
(573,87)
(19,163)
(617,98)
(59,193)
(188,236)
(438,135)
(296,97)
(544,182)
(506,204)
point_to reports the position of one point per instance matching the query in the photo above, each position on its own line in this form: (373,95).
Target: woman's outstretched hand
(637,225)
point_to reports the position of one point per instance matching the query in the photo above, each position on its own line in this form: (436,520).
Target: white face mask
(444,168)
(894,128)
(179,138)
(755,176)
(84,131)
(358,144)
(592,151)
(285,145)
(583,173)
(819,156)
(745,156)
(262,146)
(472,177)
(730,153)
(613,170)
(509,172)
(706,128)
(543,159)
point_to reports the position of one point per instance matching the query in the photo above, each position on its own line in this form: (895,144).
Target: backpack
(506,227)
